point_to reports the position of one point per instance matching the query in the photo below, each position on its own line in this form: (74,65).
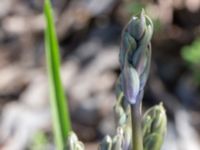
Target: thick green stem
(137,140)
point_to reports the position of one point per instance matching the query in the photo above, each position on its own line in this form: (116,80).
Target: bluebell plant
(134,131)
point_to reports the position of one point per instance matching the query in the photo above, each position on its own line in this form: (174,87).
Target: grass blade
(59,106)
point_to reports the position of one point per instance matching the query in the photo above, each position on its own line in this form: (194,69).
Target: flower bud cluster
(135,57)
(154,127)
(121,141)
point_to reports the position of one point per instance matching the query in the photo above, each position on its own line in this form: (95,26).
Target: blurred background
(89,35)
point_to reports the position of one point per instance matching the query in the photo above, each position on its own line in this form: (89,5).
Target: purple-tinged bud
(142,61)
(136,26)
(135,56)
(130,83)
(128,44)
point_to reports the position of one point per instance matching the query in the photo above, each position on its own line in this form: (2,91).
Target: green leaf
(59,106)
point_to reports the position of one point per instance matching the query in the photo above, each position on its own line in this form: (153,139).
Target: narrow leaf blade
(59,106)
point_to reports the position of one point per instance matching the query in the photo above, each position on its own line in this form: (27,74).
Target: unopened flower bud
(117,140)
(128,45)
(106,143)
(130,83)
(136,26)
(127,137)
(73,143)
(154,127)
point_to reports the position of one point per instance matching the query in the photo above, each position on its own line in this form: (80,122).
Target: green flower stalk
(135,57)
